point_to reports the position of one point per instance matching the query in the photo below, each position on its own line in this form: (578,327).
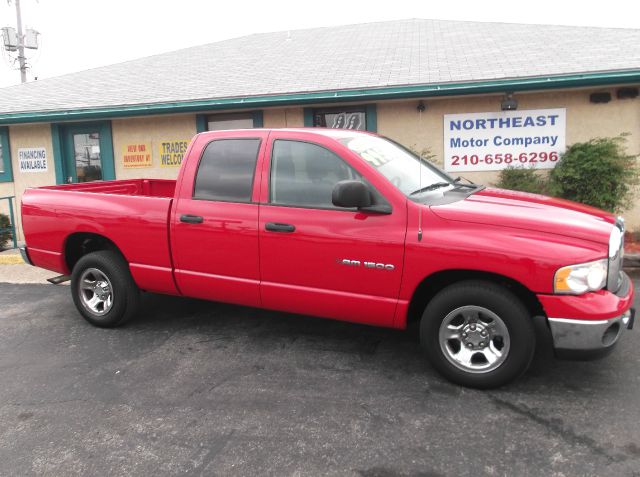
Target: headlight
(581,278)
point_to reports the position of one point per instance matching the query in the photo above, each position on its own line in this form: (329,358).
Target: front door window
(87,157)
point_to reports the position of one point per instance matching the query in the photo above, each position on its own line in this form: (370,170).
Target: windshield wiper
(435,185)
(457,180)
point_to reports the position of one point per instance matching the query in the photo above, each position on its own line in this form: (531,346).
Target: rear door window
(226,170)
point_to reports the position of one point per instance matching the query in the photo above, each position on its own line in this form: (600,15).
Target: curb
(11,259)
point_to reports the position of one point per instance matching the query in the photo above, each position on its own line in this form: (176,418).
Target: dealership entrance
(87,152)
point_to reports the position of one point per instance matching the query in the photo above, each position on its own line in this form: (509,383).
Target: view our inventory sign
(136,155)
(33,159)
(495,140)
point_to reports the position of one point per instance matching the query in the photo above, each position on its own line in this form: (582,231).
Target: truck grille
(614,279)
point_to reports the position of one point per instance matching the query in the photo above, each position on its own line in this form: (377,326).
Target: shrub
(522,179)
(598,173)
(425,154)
(5,235)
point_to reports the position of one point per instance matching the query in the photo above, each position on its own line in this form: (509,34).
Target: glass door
(88,152)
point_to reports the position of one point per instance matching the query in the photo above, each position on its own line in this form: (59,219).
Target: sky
(80,34)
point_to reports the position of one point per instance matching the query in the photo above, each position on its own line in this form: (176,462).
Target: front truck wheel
(478,334)
(103,290)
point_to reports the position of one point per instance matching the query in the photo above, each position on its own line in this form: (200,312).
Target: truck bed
(140,187)
(131,213)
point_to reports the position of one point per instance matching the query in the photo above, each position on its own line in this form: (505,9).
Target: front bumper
(589,325)
(588,335)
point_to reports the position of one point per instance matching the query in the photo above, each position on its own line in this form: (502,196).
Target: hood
(535,212)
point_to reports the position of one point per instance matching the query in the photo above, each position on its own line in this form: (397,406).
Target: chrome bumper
(25,255)
(589,335)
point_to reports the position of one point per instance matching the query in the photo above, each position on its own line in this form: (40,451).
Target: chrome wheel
(96,292)
(474,339)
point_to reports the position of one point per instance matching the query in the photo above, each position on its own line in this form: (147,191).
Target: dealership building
(476,97)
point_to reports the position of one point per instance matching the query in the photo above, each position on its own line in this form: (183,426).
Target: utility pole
(18,40)
(22,60)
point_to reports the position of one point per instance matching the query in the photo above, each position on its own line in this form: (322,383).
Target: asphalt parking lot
(201,388)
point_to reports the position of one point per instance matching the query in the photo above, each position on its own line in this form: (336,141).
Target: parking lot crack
(215,450)
(566,433)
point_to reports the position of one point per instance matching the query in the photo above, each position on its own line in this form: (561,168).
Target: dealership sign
(495,140)
(33,159)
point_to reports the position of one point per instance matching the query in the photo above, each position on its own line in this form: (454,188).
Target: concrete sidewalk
(14,270)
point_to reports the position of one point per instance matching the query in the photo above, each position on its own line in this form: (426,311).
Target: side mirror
(351,194)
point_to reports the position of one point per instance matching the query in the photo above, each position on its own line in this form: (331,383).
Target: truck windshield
(411,174)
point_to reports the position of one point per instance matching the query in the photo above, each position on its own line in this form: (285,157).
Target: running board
(59,279)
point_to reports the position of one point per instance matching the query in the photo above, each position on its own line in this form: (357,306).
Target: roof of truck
(328,132)
(387,59)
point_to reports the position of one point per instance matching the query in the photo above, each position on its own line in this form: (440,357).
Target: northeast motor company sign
(496,140)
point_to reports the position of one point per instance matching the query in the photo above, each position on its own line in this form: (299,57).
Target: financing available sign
(495,140)
(33,159)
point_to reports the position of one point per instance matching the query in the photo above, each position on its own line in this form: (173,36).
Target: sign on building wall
(33,159)
(172,152)
(495,140)
(136,155)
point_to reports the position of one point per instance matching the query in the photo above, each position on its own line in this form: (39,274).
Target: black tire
(498,300)
(125,293)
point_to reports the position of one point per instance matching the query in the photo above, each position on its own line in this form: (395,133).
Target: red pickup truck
(345,225)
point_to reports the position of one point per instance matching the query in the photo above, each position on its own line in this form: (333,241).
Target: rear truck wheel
(103,290)
(478,334)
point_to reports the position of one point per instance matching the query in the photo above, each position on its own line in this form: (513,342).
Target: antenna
(16,40)
(420,177)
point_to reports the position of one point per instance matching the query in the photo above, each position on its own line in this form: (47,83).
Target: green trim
(307,114)
(371,117)
(258,119)
(201,123)
(58,156)
(107,159)
(391,92)
(7,175)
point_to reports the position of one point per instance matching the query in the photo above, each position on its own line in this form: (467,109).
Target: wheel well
(432,284)
(79,244)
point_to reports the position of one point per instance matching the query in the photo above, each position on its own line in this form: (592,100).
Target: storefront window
(343,118)
(5,156)
(219,122)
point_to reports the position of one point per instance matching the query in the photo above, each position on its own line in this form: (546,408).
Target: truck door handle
(191,219)
(276,227)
